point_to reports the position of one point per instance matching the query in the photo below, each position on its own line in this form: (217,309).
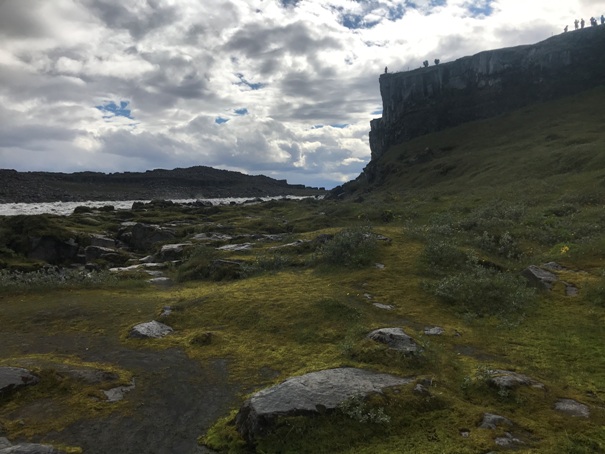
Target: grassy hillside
(464,218)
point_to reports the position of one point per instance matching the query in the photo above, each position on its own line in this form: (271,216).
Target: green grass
(525,188)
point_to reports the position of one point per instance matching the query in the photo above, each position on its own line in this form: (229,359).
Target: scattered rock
(421,390)
(160,280)
(433,331)
(508,441)
(307,395)
(236,247)
(572,408)
(170,252)
(150,329)
(386,307)
(12,378)
(102,241)
(212,237)
(166,311)
(570,289)
(465,433)
(118,393)
(539,277)
(379,266)
(492,421)
(506,379)
(394,338)
(96,252)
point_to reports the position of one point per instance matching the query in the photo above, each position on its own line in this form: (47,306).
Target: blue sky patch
(220,120)
(111,109)
(377,112)
(340,125)
(317,126)
(481,8)
(242,111)
(252,86)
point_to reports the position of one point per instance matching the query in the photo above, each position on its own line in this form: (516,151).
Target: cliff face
(485,85)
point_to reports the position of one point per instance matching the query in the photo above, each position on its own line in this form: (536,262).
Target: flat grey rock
(150,329)
(507,379)
(160,280)
(307,395)
(572,408)
(29,448)
(394,338)
(12,378)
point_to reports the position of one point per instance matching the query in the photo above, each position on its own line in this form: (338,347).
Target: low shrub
(440,256)
(484,292)
(353,247)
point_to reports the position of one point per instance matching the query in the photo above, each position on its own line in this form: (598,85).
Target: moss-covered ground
(520,190)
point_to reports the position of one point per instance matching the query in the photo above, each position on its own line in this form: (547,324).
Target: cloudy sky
(284,88)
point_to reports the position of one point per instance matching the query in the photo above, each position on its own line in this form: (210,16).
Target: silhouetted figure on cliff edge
(576,23)
(386,69)
(425,63)
(582,23)
(437,61)
(602,20)
(565,29)
(593,22)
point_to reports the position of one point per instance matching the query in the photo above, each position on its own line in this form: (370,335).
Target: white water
(67,208)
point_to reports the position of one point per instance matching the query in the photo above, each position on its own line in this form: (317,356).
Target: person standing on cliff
(602,20)
(576,23)
(386,69)
(565,29)
(582,23)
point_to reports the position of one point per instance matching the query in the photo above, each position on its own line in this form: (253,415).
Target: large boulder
(572,408)
(307,395)
(170,252)
(539,277)
(144,236)
(53,250)
(12,378)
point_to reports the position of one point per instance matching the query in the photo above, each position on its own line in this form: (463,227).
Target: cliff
(485,85)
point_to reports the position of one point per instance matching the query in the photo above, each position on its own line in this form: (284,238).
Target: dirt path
(175,399)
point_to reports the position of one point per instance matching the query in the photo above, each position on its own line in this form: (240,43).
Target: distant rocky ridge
(484,85)
(180,183)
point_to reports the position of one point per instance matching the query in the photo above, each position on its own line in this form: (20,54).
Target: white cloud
(182,64)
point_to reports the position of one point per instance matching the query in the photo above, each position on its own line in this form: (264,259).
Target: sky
(283,88)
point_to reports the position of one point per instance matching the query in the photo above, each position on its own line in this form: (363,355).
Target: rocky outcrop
(308,394)
(484,85)
(572,408)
